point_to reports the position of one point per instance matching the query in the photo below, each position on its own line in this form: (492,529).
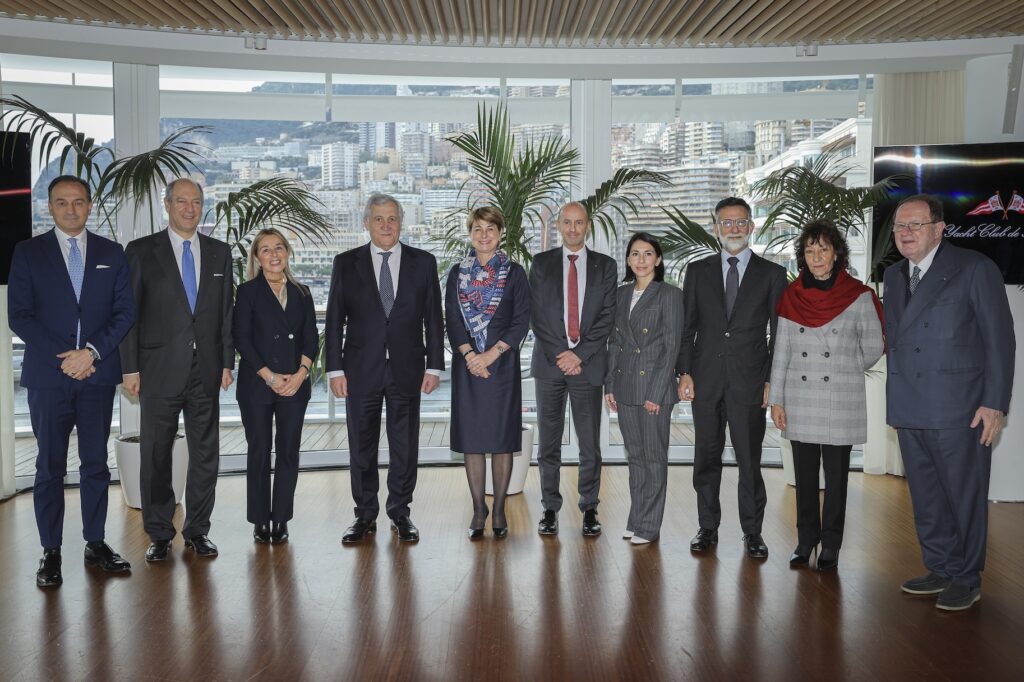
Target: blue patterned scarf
(480,291)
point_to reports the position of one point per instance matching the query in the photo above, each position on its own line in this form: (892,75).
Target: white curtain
(6,402)
(910,108)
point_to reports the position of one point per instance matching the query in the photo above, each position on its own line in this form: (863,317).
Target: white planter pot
(520,465)
(129,468)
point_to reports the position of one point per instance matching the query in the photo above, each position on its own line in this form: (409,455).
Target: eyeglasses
(913,227)
(742,223)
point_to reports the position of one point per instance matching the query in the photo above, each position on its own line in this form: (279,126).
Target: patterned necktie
(915,279)
(386,284)
(76,270)
(188,274)
(574,301)
(732,285)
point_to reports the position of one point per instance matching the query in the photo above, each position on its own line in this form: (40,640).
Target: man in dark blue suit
(384,345)
(70,301)
(950,360)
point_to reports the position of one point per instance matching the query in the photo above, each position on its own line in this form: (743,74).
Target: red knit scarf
(816,307)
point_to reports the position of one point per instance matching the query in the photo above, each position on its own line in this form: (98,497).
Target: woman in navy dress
(487,311)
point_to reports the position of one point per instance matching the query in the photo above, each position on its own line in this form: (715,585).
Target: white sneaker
(637,540)
(627,534)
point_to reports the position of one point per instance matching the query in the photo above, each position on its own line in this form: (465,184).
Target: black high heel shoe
(828,560)
(801,556)
(477,533)
(261,533)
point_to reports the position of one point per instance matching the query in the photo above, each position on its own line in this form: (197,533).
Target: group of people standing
(736,339)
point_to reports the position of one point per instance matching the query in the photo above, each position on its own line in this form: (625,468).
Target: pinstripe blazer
(644,344)
(818,375)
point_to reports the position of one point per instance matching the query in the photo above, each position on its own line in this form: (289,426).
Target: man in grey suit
(950,360)
(572,301)
(177,355)
(724,366)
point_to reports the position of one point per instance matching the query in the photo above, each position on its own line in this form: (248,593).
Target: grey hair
(379,199)
(169,190)
(572,203)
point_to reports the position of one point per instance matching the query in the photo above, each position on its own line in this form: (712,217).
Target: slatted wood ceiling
(548,23)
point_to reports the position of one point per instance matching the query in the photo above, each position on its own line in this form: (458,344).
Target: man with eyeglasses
(724,366)
(950,362)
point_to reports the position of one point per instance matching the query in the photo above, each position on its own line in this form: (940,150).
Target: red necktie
(574,301)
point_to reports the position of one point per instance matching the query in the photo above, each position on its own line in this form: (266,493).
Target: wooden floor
(526,608)
(333,436)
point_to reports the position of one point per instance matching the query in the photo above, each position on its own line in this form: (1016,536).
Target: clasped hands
(286,385)
(477,363)
(651,407)
(339,384)
(132,383)
(77,364)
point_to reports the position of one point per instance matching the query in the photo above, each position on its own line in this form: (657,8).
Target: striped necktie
(915,279)
(76,270)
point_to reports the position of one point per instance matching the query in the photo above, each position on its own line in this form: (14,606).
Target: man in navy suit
(950,361)
(70,301)
(384,345)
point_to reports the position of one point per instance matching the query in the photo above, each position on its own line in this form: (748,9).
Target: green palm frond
(686,240)
(624,190)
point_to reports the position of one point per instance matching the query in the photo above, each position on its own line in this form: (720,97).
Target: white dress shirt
(176,245)
(925,263)
(581,283)
(394,263)
(744,257)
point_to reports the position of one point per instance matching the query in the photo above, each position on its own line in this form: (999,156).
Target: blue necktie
(188,274)
(76,270)
(386,285)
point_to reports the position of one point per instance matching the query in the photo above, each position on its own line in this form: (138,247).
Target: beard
(736,243)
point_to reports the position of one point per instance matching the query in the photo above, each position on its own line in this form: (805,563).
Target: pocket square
(218,274)
(101,266)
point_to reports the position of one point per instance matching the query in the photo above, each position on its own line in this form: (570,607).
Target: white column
(136,129)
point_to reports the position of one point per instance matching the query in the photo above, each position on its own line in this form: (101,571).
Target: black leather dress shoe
(705,539)
(279,535)
(591,526)
(100,554)
(801,556)
(201,545)
(403,526)
(158,550)
(359,529)
(261,533)
(548,523)
(754,544)
(828,559)
(48,574)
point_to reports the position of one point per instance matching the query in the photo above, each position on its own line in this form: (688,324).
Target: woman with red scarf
(829,333)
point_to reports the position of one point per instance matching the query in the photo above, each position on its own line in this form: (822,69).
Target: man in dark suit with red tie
(572,303)
(176,357)
(70,301)
(383,346)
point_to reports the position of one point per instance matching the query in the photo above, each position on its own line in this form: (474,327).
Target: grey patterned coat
(644,344)
(818,375)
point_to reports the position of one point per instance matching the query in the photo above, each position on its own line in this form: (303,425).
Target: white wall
(985,95)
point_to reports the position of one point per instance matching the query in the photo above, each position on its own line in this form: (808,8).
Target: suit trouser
(826,524)
(403,425)
(746,429)
(54,412)
(585,401)
(646,439)
(948,473)
(159,428)
(265,503)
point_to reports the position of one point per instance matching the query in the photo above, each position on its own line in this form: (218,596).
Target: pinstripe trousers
(646,439)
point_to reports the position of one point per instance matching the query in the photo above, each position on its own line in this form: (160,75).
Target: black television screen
(982,191)
(15,196)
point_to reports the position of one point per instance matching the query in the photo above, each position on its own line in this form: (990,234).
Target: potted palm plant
(526,182)
(131,182)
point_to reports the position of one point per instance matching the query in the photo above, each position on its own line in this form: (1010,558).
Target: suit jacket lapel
(650,295)
(91,256)
(164,254)
(714,265)
(405,268)
(271,301)
(932,284)
(591,295)
(205,268)
(746,284)
(53,251)
(364,266)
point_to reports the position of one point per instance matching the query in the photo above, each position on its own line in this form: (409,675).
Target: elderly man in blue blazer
(70,301)
(950,357)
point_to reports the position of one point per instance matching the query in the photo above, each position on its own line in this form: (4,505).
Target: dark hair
(823,231)
(934,205)
(732,201)
(69,178)
(659,269)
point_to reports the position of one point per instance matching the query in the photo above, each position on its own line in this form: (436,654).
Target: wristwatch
(501,349)
(92,351)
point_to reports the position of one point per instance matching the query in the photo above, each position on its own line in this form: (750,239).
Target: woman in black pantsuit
(275,334)
(487,311)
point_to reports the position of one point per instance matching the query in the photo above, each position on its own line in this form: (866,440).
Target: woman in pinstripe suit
(829,334)
(641,382)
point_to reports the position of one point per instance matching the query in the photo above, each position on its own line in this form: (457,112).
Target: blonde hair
(488,214)
(253,267)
